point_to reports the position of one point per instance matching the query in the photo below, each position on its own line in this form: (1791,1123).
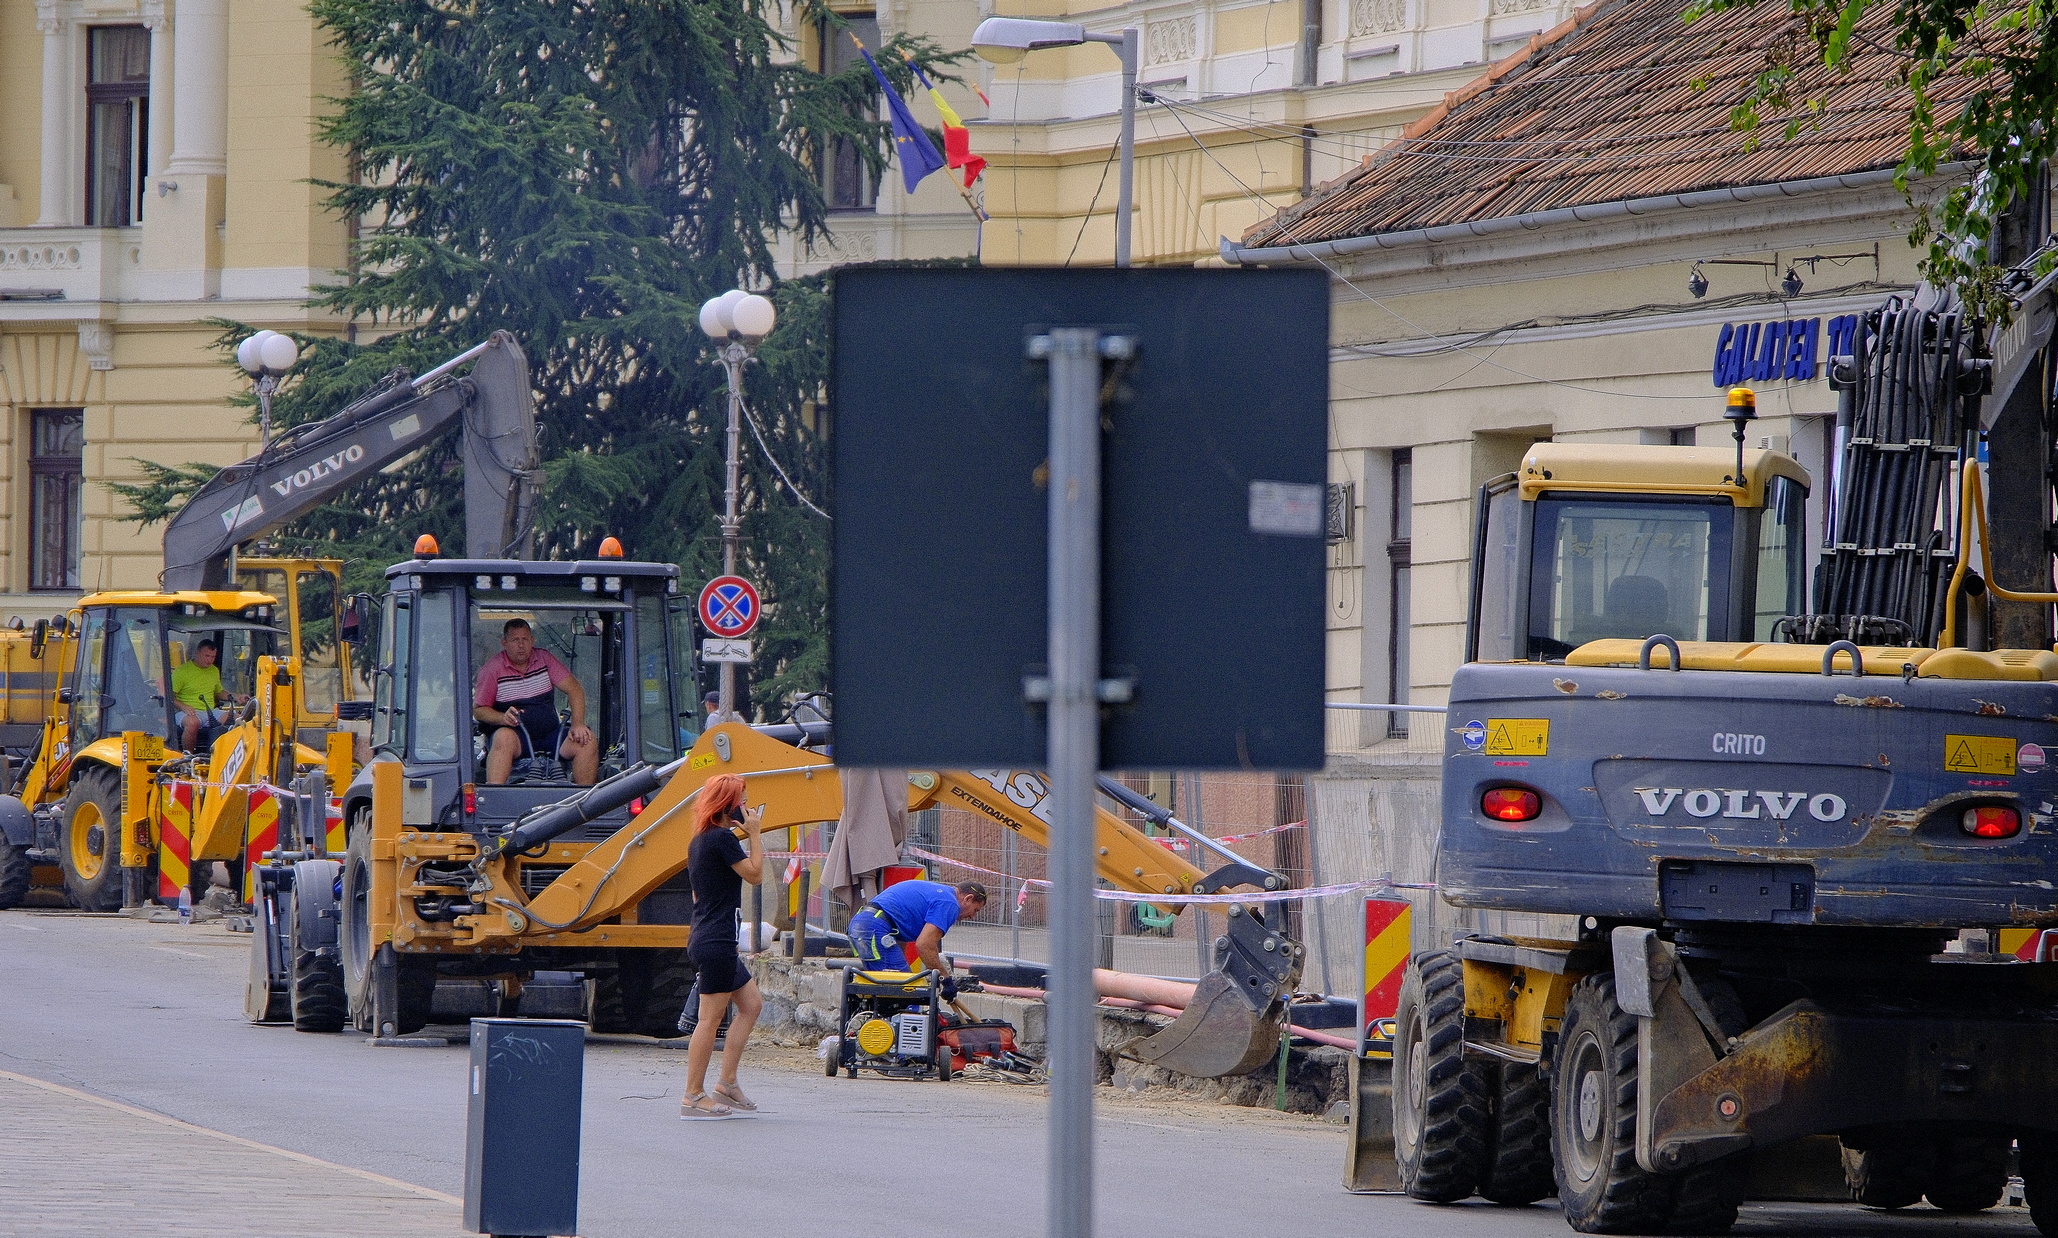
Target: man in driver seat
(517,697)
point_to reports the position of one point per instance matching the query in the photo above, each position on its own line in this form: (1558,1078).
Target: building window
(57,442)
(1401,527)
(117,124)
(847,184)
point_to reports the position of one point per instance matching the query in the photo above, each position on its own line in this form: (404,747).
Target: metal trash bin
(521,1163)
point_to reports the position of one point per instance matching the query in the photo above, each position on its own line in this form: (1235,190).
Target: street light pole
(733,354)
(1125,198)
(737,321)
(1005,40)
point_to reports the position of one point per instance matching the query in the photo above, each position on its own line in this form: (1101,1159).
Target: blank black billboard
(1212,529)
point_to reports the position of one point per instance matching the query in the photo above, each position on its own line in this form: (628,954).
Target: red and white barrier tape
(1165,900)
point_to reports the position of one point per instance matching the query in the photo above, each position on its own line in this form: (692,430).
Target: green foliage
(1982,83)
(584,174)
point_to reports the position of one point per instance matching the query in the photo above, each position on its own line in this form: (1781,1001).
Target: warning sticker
(1518,737)
(701,760)
(1979,754)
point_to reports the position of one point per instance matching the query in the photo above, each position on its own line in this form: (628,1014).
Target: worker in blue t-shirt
(913,913)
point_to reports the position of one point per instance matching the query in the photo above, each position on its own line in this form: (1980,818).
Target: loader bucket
(1218,1034)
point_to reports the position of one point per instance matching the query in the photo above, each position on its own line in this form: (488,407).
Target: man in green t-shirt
(197,690)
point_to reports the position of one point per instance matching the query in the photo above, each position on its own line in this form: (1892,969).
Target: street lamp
(737,321)
(266,356)
(1005,40)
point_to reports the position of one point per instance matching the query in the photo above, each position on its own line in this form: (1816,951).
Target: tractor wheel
(618,995)
(1970,1173)
(1593,1119)
(414,976)
(1440,1104)
(2040,1182)
(1518,1165)
(89,842)
(17,874)
(354,933)
(318,1003)
(669,977)
(1890,1174)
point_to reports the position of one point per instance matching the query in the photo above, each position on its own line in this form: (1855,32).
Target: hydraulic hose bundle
(1906,411)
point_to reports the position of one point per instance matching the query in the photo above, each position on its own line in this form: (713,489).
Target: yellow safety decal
(1518,737)
(1979,754)
(701,760)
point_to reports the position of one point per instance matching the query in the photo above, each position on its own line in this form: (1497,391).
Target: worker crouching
(917,914)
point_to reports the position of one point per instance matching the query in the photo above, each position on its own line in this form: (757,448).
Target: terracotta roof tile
(1624,101)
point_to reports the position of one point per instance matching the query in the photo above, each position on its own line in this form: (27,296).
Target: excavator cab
(310,597)
(607,621)
(1606,541)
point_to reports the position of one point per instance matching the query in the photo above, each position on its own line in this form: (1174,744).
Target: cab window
(656,709)
(1781,555)
(584,633)
(137,691)
(319,602)
(1626,569)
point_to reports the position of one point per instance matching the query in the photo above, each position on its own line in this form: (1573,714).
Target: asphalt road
(151,1015)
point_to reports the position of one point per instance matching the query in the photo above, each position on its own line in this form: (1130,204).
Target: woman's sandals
(700,1107)
(731,1095)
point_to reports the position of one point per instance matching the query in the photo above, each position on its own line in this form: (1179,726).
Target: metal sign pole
(1074,355)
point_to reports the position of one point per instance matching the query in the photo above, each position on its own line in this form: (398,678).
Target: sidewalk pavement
(72,1163)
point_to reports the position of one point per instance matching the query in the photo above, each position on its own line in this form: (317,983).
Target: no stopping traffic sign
(728,606)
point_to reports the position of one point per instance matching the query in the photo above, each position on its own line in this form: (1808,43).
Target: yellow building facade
(154,180)
(1246,106)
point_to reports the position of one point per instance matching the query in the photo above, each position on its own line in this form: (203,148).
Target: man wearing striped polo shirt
(517,697)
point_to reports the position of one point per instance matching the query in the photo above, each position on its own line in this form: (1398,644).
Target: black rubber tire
(2039,1164)
(318,1003)
(414,974)
(1593,1120)
(1892,1174)
(353,932)
(668,978)
(91,810)
(17,874)
(1518,1159)
(1440,1102)
(1970,1173)
(834,1061)
(618,995)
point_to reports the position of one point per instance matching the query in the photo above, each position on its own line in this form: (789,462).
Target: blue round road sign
(729,606)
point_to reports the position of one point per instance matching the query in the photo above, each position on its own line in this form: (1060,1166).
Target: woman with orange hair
(718,865)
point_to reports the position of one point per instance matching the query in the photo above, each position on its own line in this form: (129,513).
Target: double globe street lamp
(738,322)
(1006,40)
(266,356)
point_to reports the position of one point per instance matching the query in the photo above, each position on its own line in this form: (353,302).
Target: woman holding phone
(718,864)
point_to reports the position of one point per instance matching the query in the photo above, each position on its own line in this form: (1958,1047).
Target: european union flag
(918,155)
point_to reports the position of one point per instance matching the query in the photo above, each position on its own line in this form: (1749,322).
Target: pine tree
(584,173)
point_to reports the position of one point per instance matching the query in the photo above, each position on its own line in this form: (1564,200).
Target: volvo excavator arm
(1232,1025)
(310,464)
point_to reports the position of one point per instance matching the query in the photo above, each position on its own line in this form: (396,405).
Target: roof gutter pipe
(1238,255)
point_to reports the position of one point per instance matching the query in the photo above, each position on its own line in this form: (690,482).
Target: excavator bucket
(1218,1034)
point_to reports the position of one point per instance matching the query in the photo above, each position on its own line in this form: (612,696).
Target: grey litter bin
(521,1162)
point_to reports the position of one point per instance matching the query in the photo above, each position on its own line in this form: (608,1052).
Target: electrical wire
(1088,216)
(1425,333)
(751,416)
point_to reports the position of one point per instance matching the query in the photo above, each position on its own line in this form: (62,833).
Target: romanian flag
(918,156)
(957,140)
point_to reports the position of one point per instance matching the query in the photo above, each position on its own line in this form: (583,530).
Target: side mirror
(38,637)
(357,619)
(64,696)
